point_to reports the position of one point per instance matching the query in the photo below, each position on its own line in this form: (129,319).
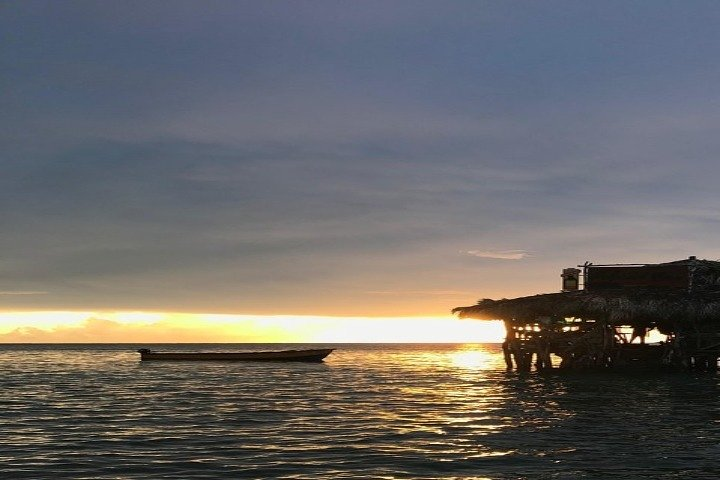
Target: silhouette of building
(603,315)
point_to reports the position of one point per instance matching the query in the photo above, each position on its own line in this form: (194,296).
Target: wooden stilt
(507,355)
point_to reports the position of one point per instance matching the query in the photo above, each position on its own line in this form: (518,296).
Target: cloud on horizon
(100,330)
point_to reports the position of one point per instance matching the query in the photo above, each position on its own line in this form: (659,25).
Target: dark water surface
(369,411)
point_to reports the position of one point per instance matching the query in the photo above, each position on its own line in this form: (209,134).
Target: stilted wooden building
(602,317)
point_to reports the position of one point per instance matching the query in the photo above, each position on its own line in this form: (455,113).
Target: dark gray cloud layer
(295,157)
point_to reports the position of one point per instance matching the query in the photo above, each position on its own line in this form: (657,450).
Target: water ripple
(447,411)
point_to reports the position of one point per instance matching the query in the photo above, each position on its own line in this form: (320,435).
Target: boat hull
(316,355)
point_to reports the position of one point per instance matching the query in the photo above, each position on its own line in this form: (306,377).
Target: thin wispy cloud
(499,254)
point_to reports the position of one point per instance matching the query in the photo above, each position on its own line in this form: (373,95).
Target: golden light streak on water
(473,359)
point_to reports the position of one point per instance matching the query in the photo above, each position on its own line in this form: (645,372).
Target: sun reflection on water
(473,359)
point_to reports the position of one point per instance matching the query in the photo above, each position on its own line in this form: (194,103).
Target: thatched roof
(647,308)
(624,302)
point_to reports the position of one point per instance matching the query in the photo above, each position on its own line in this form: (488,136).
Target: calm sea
(369,411)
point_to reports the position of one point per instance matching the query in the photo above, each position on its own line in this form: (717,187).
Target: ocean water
(368,411)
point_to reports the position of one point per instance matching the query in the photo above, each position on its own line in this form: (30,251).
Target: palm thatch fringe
(635,308)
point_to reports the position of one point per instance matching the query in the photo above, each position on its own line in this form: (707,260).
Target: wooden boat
(277,356)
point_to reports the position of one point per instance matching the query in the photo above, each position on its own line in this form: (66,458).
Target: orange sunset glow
(143,327)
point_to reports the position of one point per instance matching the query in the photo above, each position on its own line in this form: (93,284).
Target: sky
(318,159)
